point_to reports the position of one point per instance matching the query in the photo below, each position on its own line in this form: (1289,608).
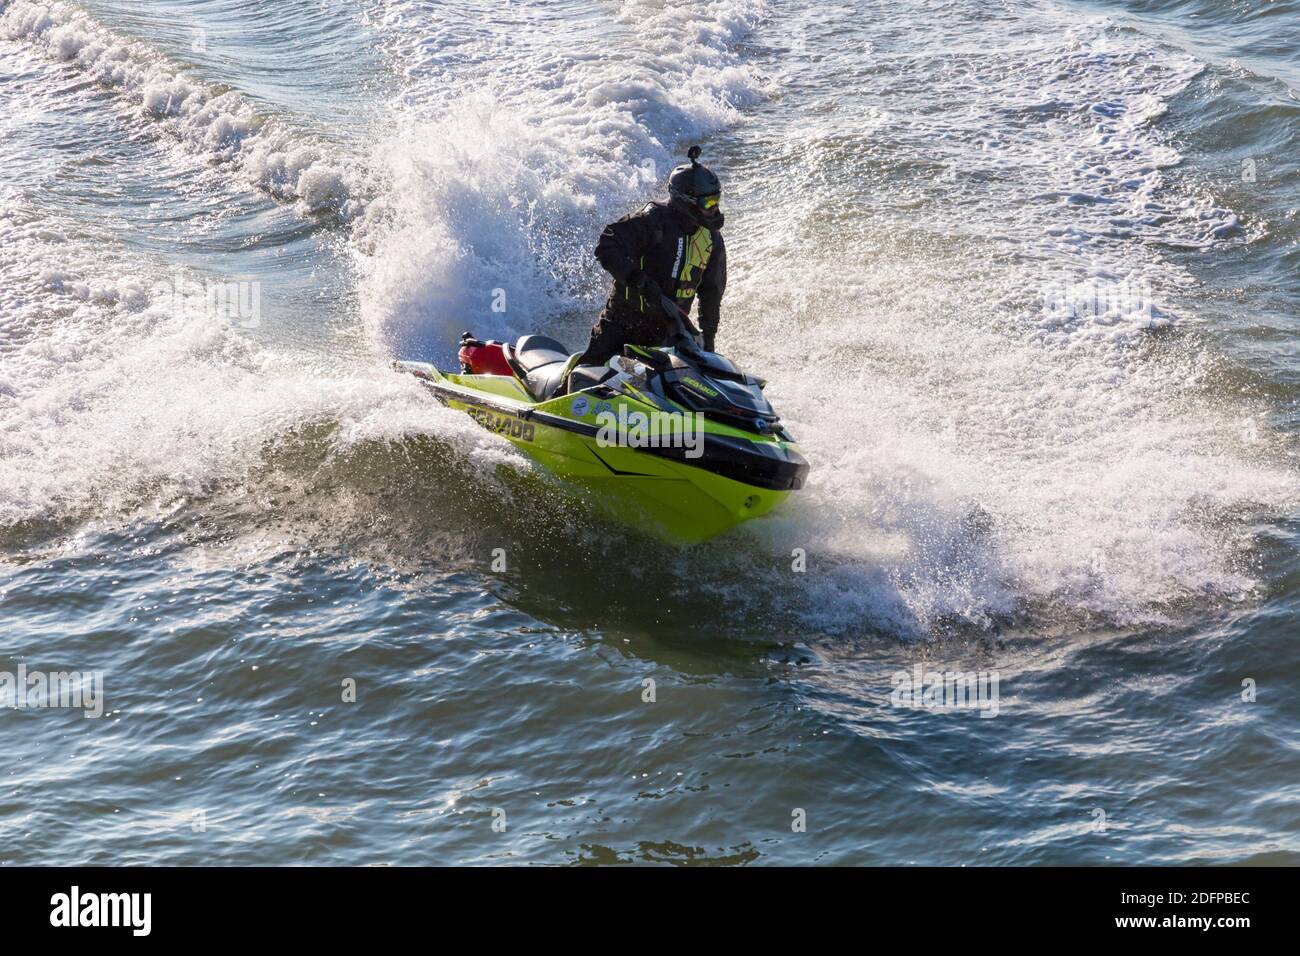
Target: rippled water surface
(1023,279)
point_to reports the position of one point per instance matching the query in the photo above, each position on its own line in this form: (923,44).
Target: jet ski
(674,440)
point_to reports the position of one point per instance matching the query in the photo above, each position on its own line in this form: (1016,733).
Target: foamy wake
(996,437)
(218,123)
(114,391)
(123,403)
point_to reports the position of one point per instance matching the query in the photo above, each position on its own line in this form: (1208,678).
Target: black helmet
(695,190)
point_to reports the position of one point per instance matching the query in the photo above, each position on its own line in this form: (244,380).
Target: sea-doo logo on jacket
(699,248)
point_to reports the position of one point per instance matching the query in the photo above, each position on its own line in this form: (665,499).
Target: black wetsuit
(657,241)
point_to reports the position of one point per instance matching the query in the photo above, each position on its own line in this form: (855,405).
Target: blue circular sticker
(580,406)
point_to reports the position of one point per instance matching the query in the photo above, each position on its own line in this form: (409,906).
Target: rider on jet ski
(673,249)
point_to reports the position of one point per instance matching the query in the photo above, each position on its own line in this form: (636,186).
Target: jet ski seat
(540,362)
(531,352)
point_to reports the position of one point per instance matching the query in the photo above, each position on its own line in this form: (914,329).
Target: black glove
(645,285)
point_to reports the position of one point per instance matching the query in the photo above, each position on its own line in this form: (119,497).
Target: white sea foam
(124,403)
(993,427)
(212,121)
(113,391)
(497,183)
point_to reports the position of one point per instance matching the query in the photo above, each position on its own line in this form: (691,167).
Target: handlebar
(686,333)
